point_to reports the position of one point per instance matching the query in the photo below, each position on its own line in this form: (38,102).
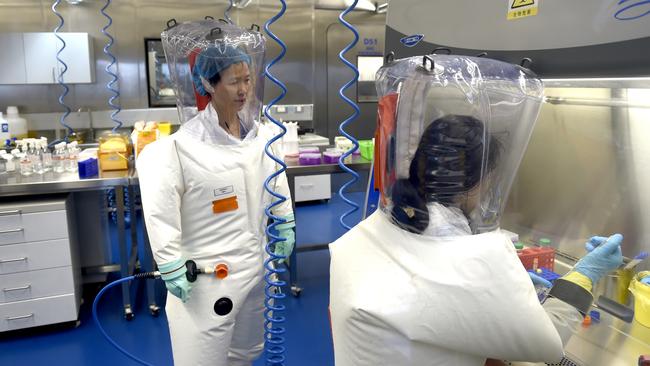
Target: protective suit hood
(451,130)
(197,52)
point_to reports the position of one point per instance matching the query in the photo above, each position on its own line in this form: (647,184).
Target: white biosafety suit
(398,298)
(429,279)
(204,199)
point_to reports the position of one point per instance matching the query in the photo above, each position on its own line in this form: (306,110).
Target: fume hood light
(381,8)
(365,5)
(242,3)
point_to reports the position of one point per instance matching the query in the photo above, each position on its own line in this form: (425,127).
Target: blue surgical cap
(212,61)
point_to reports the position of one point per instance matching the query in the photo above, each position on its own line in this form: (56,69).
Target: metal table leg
(293,273)
(293,258)
(149,265)
(124,253)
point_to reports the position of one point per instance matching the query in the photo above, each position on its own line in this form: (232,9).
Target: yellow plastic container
(165,128)
(641,294)
(144,138)
(622,283)
(113,152)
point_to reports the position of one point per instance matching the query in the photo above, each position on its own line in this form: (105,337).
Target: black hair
(449,158)
(215,79)
(409,209)
(447,162)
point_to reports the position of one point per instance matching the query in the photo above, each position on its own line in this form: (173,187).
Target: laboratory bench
(17,189)
(609,342)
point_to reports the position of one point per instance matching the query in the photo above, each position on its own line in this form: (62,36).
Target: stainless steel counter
(14,184)
(294,168)
(611,342)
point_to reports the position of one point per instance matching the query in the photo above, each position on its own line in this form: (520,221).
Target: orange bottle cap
(221,271)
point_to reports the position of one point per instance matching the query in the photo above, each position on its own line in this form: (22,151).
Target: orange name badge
(226,200)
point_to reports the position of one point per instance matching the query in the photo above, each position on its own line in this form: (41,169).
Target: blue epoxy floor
(308,338)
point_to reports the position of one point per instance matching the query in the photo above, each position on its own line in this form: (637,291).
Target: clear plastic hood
(451,134)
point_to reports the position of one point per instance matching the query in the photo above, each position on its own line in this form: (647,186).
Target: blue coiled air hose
(114,77)
(355,175)
(273,330)
(66,90)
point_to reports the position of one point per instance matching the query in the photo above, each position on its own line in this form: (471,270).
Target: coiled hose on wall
(355,175)
(114,78)
(62,71)
(273,328)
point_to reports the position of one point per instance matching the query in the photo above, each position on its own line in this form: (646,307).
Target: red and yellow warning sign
(522,8)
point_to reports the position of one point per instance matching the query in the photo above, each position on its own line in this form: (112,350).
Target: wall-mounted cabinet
(12,59)
(30,58)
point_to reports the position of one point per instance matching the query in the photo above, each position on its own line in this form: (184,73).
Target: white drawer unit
(34,284)
(39,270)
(36,312)
(17,226)
(312,187)
(34,256)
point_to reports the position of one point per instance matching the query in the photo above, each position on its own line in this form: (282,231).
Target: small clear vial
(37,158)
(25,165)
(47,156)
(59,158)
(10,163)
(71,160)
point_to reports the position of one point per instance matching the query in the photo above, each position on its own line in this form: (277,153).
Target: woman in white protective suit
(203,195)
(429,279)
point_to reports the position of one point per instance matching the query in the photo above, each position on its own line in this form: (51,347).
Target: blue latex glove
(539,281)
(604,256)
(173,273)
(285,231)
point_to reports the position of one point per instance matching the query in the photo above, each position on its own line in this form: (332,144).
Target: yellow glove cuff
(579,279)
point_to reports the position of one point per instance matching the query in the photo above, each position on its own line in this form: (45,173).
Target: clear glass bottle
(25,165)
(25,162)
(73,153)
(47,155)
(59,158)
(36,155)
(10,163)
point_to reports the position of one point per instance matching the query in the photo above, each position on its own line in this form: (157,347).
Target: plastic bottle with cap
(545,242)
(73,152)
(36,154)
(46,155)
(25,161)
(4,129)
(59,158)
(10,162)
(17,124)
(519,246)
(290,140)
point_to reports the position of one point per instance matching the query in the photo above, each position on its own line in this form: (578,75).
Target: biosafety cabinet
(39,267)
(586,170)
